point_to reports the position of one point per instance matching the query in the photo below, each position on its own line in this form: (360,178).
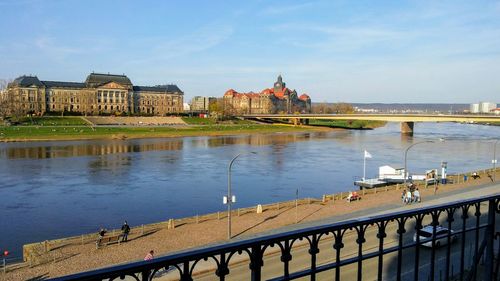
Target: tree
(342,108)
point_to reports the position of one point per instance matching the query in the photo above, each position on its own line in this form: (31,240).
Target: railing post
(490,236)
(256,263)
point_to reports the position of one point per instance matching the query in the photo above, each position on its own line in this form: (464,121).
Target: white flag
(367,154)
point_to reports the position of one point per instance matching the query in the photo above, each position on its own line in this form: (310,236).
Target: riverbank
(80,128)
(50,133)
(171,236)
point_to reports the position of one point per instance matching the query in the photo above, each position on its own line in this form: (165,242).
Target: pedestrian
(125,231)
(408,197)
(416,195)
(149,256)
(403,196)
(101,234)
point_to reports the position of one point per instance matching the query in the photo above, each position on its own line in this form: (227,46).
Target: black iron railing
(392,252)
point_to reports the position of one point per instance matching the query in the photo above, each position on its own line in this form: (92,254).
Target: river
(64,188)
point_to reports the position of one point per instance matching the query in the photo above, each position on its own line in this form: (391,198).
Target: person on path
(101,234)
(125,231)
(416,195)
(403,196)
(408,197)
(149,256)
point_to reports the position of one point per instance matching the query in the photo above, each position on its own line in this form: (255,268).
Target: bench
(106,240)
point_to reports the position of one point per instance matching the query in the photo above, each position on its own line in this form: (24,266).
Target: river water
(63,188)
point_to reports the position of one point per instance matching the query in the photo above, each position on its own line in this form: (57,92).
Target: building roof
(96,79)
(59,84)
(158,88)
(26,81)
(304,97)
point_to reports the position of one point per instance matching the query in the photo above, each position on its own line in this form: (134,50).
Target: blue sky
(349,51)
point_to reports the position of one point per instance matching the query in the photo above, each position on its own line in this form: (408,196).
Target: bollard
(386,188)
(341,195)
(259,209)
(333,198)
(46,246)
(278,206)
(82,239)
(375,189)
(218,215)
(238,212)
(323,200)
(142,229)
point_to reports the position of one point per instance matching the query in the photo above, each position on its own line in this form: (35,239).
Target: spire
(280,79)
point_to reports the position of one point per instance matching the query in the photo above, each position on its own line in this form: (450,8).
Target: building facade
(201,104)
(278,99)
(482,107)
(99,94)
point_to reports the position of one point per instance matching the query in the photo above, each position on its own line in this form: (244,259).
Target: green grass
(53,121)
(211,121)
(348,124)
(21,133)
(198,121)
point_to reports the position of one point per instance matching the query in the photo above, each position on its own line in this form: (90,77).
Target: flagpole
(364,166)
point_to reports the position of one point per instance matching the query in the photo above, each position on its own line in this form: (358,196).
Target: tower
(279,85)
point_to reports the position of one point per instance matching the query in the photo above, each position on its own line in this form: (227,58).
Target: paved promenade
(166,241)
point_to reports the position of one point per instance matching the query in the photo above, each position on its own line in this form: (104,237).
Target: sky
(335,51)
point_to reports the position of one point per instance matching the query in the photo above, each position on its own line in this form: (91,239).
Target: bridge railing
(378,244)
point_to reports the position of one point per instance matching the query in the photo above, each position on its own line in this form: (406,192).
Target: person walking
(125,231)
(101,234)
(416,195)
(149,256)
(408,196)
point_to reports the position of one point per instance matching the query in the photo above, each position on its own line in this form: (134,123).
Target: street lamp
(229,199)
(406,154)
(494,161)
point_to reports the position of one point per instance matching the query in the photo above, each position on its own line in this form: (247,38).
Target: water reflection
(88,149)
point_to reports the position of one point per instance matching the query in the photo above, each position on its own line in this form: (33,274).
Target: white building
(482,107)
(486,107)
(474,108)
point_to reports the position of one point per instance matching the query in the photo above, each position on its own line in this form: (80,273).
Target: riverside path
(273,266)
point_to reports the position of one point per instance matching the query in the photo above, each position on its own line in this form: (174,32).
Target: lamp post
(406,154)
(229,195)
(494,161)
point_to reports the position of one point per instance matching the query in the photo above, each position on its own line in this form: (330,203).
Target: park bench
(106,240)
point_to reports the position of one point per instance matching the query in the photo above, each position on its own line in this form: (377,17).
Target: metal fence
(379,244)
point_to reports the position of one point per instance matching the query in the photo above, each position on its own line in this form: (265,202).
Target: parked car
(441,236)
(353,196)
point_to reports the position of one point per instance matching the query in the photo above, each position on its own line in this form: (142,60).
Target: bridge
(407,120)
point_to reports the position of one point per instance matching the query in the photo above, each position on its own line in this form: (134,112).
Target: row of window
(110,93)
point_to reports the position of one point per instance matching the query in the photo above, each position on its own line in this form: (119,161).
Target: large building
(278,99)
(99,94)
(482,107)
(201,104)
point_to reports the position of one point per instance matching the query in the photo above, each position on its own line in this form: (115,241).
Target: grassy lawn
(53,121)
(210,121)
(22,133)
(348,124)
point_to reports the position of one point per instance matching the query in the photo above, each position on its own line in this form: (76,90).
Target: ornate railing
(384,248)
